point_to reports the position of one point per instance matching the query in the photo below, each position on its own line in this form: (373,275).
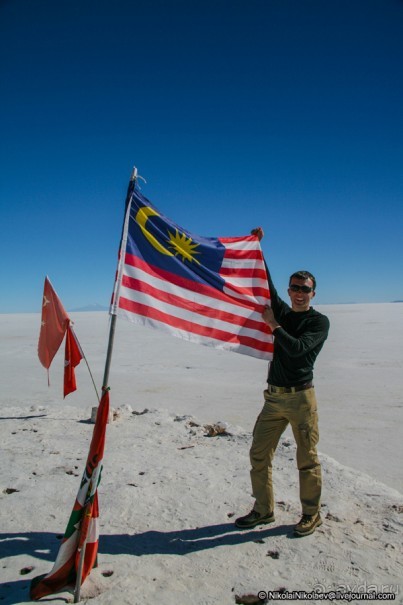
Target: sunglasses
(304,289)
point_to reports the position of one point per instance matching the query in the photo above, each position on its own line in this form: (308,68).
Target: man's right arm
(277,304)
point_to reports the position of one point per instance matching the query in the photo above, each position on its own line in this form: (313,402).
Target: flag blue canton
(161,243)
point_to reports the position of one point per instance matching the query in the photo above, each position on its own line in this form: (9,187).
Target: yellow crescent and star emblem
(178,244)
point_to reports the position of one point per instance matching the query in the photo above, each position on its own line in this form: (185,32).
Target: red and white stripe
(229,319)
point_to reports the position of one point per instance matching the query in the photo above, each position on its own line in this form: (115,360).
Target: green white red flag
(83,527)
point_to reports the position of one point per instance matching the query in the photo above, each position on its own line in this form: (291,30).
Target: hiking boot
(254,518)
(307,525)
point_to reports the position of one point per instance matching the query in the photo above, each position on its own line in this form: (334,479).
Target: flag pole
(112,328)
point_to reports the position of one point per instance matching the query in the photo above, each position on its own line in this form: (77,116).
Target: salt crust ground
(168,498)
(167,535)
(358,379)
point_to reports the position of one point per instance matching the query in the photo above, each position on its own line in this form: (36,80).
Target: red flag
(73,356)
(83,525)
(54,324)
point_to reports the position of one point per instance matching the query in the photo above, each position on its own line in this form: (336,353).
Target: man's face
(300,301)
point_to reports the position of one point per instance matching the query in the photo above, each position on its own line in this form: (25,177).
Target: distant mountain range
(93,307)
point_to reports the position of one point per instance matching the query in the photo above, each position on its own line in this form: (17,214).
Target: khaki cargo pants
(300,410)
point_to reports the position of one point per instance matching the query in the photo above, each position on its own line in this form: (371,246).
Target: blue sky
(280,113)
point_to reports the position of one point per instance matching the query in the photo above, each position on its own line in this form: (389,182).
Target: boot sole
(261,522)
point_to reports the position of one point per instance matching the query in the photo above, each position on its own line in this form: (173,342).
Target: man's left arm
(316,334)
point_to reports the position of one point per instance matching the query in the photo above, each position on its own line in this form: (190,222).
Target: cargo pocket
(309,433)
(307,438)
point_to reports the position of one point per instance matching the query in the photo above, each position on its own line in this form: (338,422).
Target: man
(299,333)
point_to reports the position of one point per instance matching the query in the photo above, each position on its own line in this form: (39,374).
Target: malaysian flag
(208,290)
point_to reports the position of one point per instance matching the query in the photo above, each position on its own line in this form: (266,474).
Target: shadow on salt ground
(41,545)
(13,593)
(45,546)
(181,542)
(23,417)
